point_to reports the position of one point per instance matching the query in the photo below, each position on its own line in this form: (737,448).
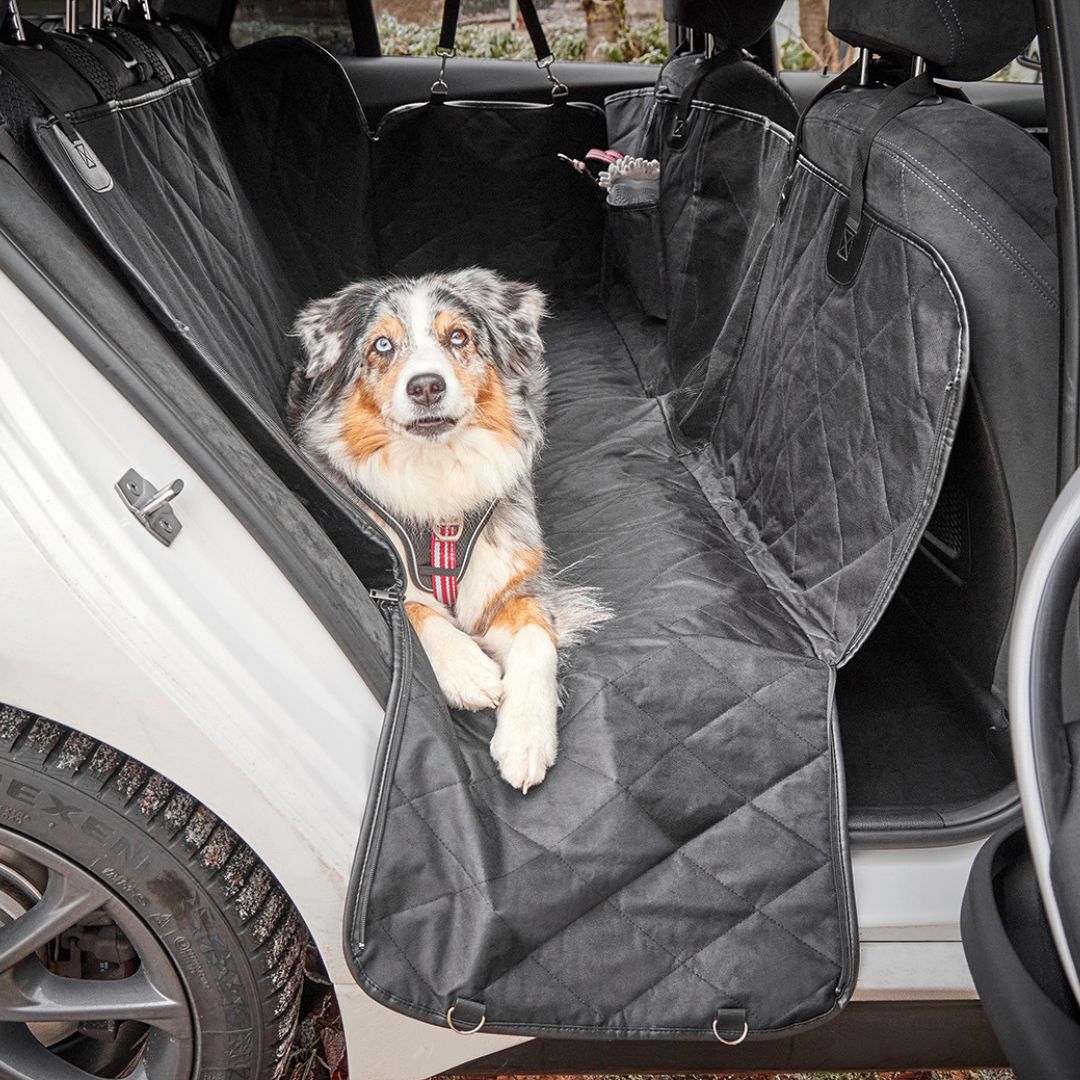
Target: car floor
(907,739)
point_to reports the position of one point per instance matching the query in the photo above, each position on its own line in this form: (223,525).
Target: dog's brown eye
(383,345)
(458,338)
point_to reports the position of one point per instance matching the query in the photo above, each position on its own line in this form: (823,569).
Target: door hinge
(151,505)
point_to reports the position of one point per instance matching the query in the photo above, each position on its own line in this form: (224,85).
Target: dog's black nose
(425,389)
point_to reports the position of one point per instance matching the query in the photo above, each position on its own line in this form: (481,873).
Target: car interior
(191,197)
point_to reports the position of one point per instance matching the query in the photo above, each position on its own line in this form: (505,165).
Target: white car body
(202,661)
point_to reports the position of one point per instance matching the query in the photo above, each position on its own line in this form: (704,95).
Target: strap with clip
(448,38)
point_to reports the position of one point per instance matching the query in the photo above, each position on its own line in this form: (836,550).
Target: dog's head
(424,357)
(439,378)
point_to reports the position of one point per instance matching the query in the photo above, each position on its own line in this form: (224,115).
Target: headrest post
(17,30)
(97,14)
(864,67)
(710,44)
(71,16)
(918,66)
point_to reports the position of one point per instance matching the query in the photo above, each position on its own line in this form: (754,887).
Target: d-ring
(716,1032)
(474,1030)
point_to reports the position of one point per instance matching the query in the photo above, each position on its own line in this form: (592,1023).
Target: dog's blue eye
(458,338)
(383,345)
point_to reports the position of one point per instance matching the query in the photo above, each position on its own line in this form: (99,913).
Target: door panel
(1021,917)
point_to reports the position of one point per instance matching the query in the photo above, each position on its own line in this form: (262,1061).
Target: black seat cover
(682,872)
(720,126)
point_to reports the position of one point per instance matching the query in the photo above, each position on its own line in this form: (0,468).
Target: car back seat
(720,126)
(747,528)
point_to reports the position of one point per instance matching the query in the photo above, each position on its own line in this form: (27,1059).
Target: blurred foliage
(795,56)
(636,44)
(336,37)
(645,43)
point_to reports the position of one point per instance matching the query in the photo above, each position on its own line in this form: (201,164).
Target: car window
(623,31)
(323,21)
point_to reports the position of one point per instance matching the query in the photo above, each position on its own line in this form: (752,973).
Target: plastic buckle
(448,531)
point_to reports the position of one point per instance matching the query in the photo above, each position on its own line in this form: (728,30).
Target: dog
(424,399)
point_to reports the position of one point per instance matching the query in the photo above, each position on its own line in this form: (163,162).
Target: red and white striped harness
(444,556)
(448,545)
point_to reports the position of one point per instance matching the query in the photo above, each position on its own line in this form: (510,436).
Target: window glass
(323,21)
(625,31)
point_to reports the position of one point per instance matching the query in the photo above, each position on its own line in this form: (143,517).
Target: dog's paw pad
(469,678)
(524,751)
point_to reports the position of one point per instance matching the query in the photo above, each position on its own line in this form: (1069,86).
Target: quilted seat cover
(686,855)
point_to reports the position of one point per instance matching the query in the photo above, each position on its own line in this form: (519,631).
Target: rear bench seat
(747,535)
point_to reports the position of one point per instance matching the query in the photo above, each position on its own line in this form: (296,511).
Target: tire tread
(244,889)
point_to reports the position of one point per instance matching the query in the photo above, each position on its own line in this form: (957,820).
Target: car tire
(183,892)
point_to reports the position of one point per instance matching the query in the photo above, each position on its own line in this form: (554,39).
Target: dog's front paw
(468,677)
(525,740)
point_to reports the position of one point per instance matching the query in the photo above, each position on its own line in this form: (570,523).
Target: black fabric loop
(681,125)
(191,41)
(149,55)
(899,100)
(79,57)
(848,77)
(17,69)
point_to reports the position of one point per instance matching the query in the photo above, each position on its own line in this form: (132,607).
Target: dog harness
(436,556)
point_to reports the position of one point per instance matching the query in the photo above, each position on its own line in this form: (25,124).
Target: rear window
(323,21)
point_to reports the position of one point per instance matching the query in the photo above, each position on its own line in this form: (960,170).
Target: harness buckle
(448,531)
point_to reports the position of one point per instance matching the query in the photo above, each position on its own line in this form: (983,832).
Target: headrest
(731,22)
(958,39)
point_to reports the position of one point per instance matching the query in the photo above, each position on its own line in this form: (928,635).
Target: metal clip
(151,507)
(558,89)
(439,86)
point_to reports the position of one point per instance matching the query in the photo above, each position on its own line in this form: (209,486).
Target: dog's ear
(511,312)
(526,306)
(321,343)
(328,329)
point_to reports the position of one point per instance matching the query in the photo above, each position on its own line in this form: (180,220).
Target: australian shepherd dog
(424,399)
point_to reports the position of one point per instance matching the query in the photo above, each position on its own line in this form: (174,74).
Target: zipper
(391,602)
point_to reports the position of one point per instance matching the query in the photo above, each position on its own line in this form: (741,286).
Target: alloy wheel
(86,988)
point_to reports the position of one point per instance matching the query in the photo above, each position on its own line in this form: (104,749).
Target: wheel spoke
(63,904)
(22,1057)
(31,994)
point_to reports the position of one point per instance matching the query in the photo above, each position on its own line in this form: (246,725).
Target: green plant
(795,56)
(636,44)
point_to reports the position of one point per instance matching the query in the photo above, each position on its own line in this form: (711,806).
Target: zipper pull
(389,596)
